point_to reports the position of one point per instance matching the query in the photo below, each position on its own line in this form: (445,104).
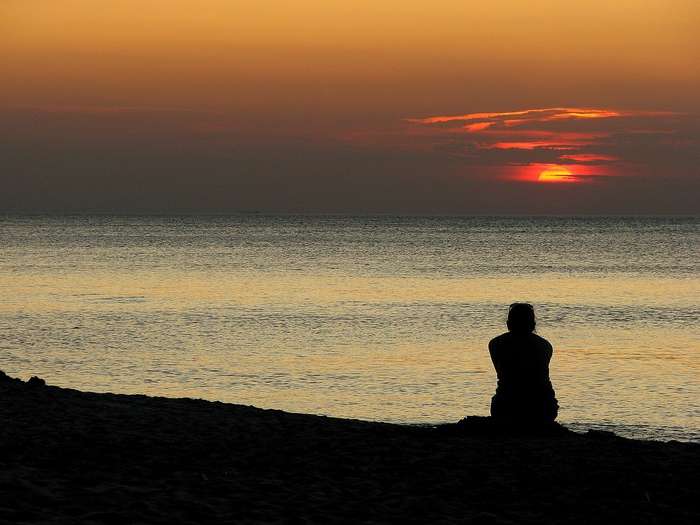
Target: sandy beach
(75,457)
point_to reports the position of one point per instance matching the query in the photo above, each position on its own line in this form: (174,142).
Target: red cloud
(562,144)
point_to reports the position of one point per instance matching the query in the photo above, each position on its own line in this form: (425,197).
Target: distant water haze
(380,318)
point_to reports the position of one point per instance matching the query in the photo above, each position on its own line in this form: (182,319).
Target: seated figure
(524,394)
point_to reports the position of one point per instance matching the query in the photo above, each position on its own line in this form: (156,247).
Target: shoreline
(77,457)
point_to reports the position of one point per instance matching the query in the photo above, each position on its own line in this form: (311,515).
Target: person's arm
(493,352)
(548,351)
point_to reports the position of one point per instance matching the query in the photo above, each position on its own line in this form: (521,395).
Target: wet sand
(75,457)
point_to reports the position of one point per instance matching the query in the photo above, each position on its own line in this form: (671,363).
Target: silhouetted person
(524,393)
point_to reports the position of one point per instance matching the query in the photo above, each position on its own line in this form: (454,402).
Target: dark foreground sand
(75,457)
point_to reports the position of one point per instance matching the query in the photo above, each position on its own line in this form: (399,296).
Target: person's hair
(521,318)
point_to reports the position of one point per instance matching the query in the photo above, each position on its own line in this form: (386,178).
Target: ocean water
(378,318)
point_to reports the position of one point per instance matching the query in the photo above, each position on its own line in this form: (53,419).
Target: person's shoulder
(499,340)
(542,342)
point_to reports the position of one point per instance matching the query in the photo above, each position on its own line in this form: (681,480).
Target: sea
(382,318)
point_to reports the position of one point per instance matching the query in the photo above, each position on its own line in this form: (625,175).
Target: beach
(75,457)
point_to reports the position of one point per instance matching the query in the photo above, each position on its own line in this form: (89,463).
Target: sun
(557,174)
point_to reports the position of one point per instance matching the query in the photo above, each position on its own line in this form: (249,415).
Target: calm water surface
(381,318)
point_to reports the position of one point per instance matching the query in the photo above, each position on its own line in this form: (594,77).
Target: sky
(381,106)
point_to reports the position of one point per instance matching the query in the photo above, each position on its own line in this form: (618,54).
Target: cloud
(579,143)
(513,118)
(170,161)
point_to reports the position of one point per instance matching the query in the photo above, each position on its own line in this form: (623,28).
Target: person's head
(521,318)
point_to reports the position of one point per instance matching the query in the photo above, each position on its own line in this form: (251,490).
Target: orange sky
(234,79)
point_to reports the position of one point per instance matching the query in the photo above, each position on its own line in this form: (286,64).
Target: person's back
(521,358)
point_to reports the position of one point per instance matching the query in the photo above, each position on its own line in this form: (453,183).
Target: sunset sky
(386,106)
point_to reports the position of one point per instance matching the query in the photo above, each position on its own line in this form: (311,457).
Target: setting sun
(557,174)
